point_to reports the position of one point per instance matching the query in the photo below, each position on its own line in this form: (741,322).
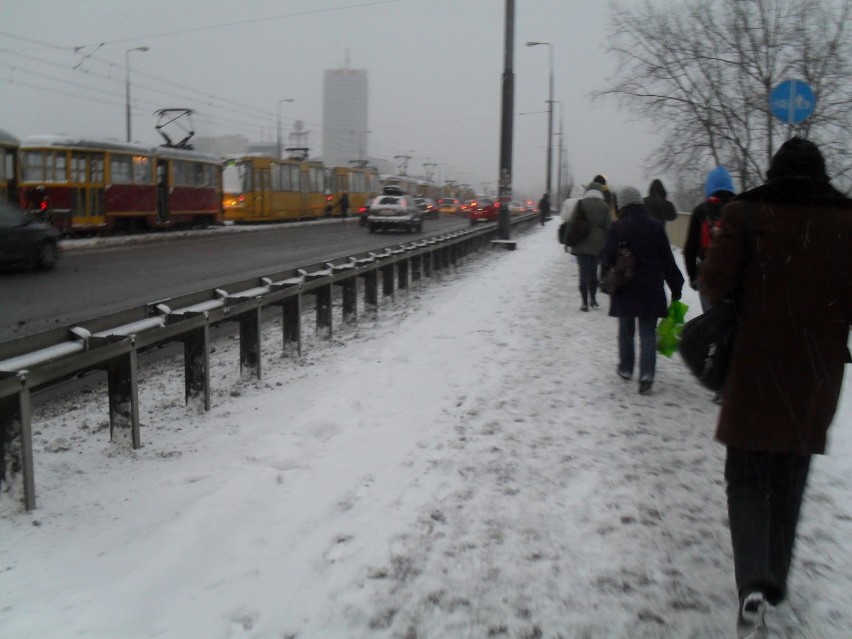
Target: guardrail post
(123,392)
(454,254)
(323,304)
(196,359)
(402,273)
(416,267)
(427,261)
(16,440)
(371,291)
(349,288)
(292,324)
(387,280)
(250,341)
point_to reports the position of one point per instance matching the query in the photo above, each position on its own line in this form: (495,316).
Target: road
(111,274)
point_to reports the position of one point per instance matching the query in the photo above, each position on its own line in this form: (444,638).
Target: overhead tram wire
(299,14)
(261,118)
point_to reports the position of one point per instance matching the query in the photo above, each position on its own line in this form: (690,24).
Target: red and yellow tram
(81,185)
(8,166)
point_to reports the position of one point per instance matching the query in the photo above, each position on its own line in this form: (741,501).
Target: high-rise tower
(344,116)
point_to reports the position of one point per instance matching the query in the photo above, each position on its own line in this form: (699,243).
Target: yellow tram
(258,188)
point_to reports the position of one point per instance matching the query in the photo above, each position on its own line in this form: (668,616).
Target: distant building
(344,116)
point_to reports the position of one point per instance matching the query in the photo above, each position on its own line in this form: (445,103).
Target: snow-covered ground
(466,464)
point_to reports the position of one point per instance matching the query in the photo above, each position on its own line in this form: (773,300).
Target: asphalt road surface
(95,278)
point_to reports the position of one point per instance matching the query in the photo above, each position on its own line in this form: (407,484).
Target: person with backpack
(704,224)
(593,208)
(643,299)
(785,251)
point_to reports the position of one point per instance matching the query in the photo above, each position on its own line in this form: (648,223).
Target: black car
(26,241)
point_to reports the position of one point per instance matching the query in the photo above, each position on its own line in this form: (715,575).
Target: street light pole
(504,183)
(278,137)
(549,115)
(558,201)
(127,86)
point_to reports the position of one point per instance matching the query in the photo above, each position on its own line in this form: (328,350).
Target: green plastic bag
(668,332)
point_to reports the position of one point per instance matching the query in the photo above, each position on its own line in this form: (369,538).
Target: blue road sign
(792,101)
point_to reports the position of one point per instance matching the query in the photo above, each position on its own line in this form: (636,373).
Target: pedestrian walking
(544,208)
(785,251)
(343,204)
(596,212)
(657,205)
(642,300)
(609,197)
(704,224)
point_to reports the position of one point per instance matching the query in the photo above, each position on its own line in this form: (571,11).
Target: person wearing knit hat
(786,249)
(704,224)
(643,300)
(591,209)
(599,182)
(629,195)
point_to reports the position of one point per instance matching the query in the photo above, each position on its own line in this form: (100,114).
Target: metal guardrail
(113,342)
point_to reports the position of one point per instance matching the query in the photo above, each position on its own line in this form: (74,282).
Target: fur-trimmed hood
(798,191)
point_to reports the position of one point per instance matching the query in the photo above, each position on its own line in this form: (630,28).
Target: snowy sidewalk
(468,464)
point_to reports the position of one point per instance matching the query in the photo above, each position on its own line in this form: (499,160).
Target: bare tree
(703,70)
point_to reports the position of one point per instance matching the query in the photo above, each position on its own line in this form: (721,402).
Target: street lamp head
(532,44)
(139,49)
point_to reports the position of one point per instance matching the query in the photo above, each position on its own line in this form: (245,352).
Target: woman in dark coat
(786,247)
(643,300)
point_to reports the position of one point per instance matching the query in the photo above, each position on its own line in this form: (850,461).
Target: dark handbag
(623,269)
(579,227)
(706,343)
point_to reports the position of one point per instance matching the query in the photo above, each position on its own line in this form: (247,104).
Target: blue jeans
(647,346)
(764,500)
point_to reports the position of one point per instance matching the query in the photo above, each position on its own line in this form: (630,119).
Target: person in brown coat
(785,250)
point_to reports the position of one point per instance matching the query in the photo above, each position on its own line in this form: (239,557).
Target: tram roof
(7,138)
(83,143)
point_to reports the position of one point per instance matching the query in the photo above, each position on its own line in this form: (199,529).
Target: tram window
(96,169)
(235,178)
(58,167)
(295,179)
(180,173)
(141,169)
(32,165)
(4,168)
(120,169)
(78,168)
(198,174)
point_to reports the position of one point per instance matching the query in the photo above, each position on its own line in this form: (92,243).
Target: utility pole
(506,125)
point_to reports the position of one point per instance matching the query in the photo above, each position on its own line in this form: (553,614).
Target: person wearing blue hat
(704,224)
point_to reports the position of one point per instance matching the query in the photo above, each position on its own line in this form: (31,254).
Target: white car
(395,210)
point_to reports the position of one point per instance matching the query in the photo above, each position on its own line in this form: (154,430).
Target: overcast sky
(434,70)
